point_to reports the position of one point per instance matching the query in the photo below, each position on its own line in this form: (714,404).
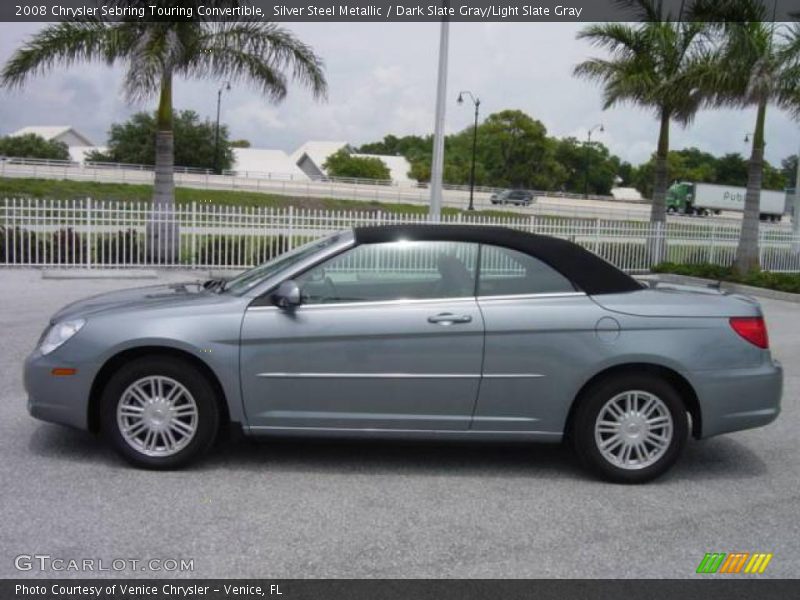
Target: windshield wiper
(215,285)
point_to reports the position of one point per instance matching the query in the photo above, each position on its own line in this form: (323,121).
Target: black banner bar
(352,10)
(705,587)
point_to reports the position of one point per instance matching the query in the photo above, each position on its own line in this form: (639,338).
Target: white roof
(51,132)
(317,151)
(262,162)
(398,166)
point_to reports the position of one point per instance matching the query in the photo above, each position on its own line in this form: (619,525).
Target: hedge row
(67,246)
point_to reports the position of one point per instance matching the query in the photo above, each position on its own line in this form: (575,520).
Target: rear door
(540,338)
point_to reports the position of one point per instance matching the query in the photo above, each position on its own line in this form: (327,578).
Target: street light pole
(599,127)
(226,87)
(796,209)
(477,103)
(437,164)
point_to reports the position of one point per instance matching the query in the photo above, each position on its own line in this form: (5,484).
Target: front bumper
(57,398)
(733,400)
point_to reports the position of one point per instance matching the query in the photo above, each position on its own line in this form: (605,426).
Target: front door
(389,336)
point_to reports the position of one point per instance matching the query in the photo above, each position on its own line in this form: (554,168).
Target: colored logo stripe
(720,562)
(734,562)
(758,564)
(711,562)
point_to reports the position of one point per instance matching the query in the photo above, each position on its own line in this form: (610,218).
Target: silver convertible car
(413,331)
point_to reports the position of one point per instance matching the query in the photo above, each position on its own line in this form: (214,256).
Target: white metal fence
(87,233)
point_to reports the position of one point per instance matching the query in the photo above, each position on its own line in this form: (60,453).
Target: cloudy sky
(382,80)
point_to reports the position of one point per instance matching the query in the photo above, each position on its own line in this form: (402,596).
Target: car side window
(393,271)
(506,272)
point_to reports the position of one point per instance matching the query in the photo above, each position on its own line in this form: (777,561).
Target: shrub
(120,248)
(784,282)
(66,246)
(19,246)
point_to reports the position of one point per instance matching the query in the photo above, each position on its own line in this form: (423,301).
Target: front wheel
(159,413)
(630,429)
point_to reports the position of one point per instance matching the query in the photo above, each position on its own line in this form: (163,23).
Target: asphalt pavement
(383,509)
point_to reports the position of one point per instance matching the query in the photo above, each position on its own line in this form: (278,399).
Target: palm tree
(657,64)
(155,52)
(758,64)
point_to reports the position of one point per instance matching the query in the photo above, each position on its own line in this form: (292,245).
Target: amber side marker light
(753,329)
(58,372)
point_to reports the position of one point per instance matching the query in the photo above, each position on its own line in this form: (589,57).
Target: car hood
(154,296)
(670,300)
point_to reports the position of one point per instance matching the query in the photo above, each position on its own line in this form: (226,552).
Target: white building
(79,145)
(266,164)
(398,168)
(311,156)
(626,194)
(58,133)
(305,163)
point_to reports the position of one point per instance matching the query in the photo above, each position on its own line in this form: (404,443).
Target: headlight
(60,333)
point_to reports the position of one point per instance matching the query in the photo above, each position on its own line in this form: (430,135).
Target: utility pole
(437,166)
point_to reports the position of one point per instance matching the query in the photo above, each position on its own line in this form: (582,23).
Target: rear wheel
(630,429)
(159,413)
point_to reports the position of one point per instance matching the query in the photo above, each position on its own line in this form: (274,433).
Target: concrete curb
(735,288)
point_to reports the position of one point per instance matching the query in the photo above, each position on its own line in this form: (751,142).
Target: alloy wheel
(157,416)
(633,430)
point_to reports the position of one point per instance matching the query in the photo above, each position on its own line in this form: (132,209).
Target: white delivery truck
(707,198)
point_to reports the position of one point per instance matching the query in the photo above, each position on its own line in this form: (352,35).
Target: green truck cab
(680,200)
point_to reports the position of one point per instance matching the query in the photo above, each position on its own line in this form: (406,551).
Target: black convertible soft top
(588,271)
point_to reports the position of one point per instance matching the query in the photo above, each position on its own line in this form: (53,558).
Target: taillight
(753,329)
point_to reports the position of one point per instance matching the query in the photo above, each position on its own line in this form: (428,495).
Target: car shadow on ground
(719,458)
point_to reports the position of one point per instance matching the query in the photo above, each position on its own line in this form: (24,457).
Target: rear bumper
(733,400)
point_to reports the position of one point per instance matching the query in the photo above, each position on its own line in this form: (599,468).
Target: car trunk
(668,300)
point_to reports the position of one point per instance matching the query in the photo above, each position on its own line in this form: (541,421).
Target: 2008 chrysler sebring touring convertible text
(437,331)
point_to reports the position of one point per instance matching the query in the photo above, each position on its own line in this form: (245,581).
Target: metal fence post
(194,232)
(290,228)
(597,236)
(88,247)
(712,254)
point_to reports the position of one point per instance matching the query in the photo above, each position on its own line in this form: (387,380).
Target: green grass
(783,282)
(54,189)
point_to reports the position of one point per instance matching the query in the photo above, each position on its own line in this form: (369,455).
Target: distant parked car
(413,331)
(518,197)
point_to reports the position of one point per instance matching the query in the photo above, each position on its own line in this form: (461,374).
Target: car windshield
(247,280)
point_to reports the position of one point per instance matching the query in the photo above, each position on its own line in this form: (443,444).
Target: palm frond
(643,10)
(65,44)
(261,52)
(157,53)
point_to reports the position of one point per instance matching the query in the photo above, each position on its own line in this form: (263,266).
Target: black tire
(191,378)
(582,435)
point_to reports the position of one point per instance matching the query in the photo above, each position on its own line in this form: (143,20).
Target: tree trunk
(163,225)
(658,208)
(747,251)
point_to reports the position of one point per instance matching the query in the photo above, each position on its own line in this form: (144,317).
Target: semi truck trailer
(703,199)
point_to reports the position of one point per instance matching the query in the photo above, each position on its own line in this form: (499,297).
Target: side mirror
(287,295)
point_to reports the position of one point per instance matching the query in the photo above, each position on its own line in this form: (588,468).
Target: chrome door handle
(449,319)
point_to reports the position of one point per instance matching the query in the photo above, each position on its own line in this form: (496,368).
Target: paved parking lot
(379,509)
